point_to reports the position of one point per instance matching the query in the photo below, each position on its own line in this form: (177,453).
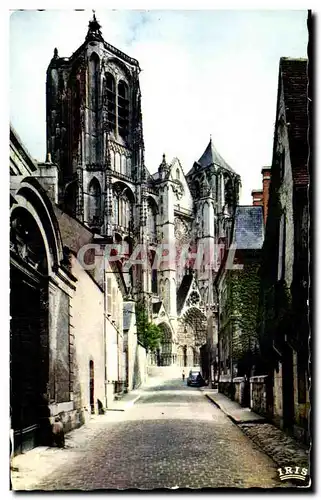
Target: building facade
(283,315)
(67,348)
(237,283)
(95,136)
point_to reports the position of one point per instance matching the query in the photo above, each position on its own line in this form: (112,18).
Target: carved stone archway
(166,348)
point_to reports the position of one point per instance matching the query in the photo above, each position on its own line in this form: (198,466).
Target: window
(109,296)
(113,304)
(123,109)
(94,204)
(94,75)
(177,174)
(282,233)
(111,101)
(154,281)
(116,211)
(151,220)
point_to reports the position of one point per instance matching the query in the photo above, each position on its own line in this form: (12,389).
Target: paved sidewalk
(126,401)
(28,468)
(283,449)
(232,409)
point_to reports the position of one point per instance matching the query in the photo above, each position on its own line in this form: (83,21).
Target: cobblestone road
(172,437)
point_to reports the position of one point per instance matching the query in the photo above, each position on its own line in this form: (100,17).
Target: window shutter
(109,296)
(113,307)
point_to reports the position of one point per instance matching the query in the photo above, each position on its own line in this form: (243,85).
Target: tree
(149,334)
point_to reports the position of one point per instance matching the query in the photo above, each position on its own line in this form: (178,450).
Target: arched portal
(194,335)
(91,386)
(165,354)
(196,322)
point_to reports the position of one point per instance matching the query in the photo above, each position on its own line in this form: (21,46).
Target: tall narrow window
(281,263)
(109,295)
(94,99)
(123,109)
(151,221)
(111,101)
(116,209)
(94,204)
(177,174)
(94,85)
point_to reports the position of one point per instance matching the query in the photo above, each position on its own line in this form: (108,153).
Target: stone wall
(278,397)
(226,387)
(301,402)
(47,176)
(87,318)
(258,394)
(239,390)
(140,366)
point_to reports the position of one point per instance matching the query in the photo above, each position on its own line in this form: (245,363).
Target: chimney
(266,178)
(257,195)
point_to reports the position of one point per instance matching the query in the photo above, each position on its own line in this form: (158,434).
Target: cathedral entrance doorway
(165,351)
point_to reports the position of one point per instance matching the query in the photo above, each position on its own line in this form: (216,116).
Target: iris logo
(287,473)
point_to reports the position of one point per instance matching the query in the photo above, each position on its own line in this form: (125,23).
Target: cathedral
(95,137)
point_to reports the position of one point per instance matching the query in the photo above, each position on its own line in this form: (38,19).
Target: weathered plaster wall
(87,309)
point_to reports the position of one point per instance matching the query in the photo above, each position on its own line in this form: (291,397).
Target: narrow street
(172,437)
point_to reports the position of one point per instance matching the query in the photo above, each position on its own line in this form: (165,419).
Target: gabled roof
(211,157)
(248,231)
(294,78)
(183,290)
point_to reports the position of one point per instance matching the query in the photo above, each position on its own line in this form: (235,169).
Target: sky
(204,73)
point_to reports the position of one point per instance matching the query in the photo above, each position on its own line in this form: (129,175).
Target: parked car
(195,379)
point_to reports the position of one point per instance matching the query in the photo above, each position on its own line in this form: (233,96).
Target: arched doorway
(165,352)
(91,386)
(182,355)
(196,334)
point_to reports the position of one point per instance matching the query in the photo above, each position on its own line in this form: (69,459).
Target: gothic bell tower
(215,189)
(94,132)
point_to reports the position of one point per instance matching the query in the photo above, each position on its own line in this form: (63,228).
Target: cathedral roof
(211,157)
(183,290)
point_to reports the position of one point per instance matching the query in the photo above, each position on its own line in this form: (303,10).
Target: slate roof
(74,234)
(248,228)
(294,78)
(183,291)
(212,157)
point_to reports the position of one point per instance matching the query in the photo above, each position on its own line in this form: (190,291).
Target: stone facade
(95,136)
(258,394)
(89,351)
(283,314)
(136,354)
(237,285)
(41,289)
(67,345)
